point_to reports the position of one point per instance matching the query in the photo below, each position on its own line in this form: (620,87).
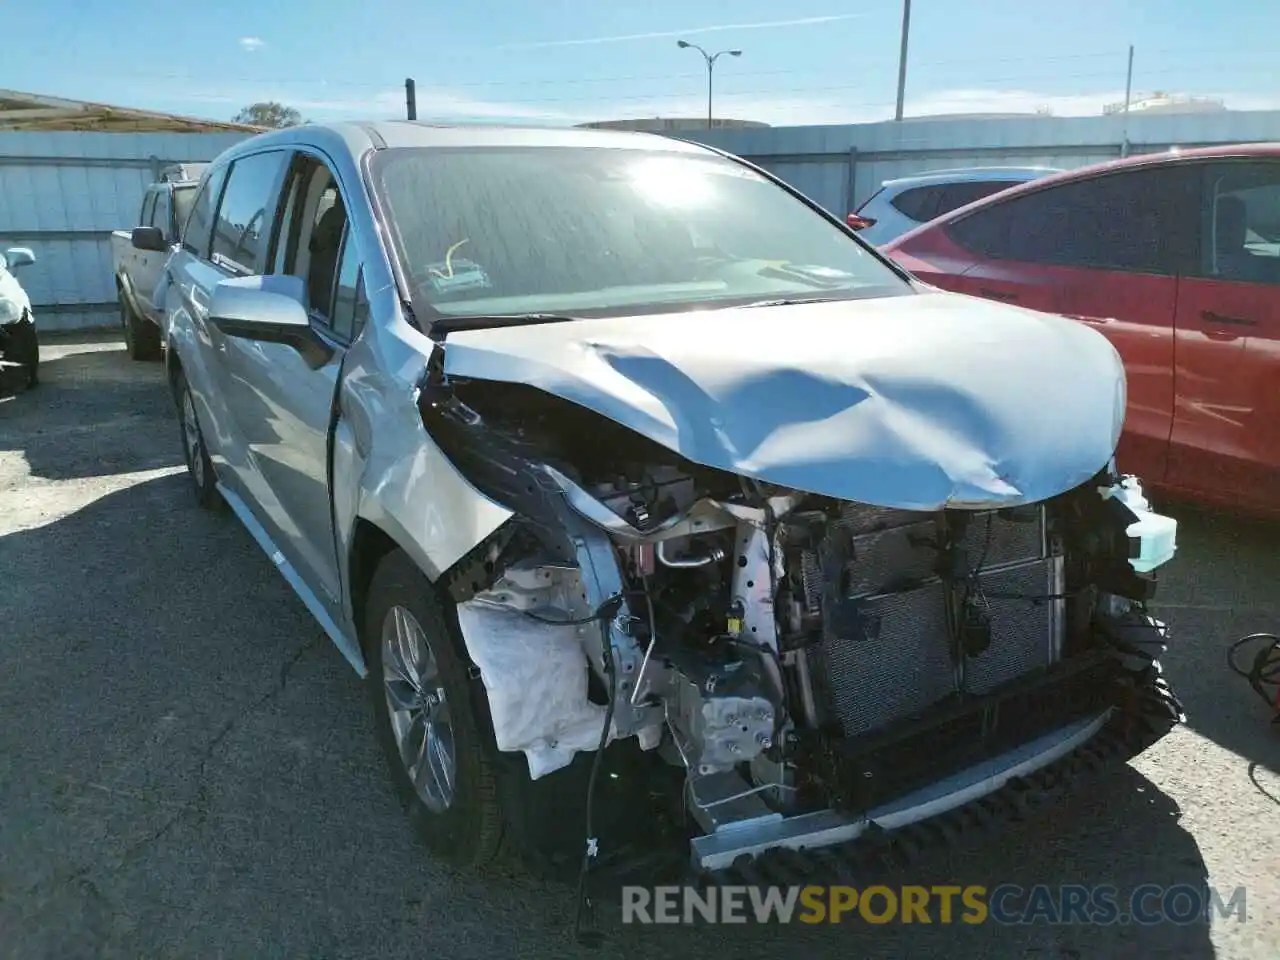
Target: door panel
(204,366)
(1135,312)
(1226,438)
(283,408)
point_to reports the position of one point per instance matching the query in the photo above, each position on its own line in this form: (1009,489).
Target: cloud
(659,34)
(252,44)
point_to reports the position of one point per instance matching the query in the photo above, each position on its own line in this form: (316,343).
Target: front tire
(431,718)
(22,346)
(196,453)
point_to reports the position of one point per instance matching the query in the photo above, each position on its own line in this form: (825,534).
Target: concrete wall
(840,166)
(61,194)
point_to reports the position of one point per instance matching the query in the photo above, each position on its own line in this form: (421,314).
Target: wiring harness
(1263,673)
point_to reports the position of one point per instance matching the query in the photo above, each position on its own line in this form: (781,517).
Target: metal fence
(61,194)
(841,166)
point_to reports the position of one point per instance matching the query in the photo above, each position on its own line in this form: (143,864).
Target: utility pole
(902,58)
(410,99)
(711,59)
(1128,98)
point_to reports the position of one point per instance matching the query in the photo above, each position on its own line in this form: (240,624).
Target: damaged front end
(813,666)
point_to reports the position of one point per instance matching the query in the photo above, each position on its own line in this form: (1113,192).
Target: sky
(570,61)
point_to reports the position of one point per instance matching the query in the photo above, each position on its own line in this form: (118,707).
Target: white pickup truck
(139,255)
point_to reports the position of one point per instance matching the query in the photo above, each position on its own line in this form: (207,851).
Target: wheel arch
(369,545)
(124,289)
(172,364)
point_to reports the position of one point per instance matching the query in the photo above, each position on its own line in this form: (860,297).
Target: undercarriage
(812,668)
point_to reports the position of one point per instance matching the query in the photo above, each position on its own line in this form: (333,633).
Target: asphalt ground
(187,767)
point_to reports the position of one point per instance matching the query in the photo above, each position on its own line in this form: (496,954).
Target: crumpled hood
(914,402)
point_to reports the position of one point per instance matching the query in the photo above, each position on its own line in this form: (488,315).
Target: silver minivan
(637,486)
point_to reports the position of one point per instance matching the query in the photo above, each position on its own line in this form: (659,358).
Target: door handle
(1208,316)
(997,295)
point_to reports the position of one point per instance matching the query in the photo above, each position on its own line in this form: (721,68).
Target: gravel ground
(187,767)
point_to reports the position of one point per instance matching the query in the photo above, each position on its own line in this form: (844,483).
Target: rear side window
(918,203)
(1133,221)
(195,235)
(957,195)
(246,214)
(1240,226)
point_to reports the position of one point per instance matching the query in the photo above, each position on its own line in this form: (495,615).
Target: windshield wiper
(462,322)
(791,302)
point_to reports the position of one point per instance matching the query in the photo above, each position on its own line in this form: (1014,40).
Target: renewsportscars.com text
(972,904)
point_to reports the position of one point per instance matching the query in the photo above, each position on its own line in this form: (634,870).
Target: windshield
(183,198)
(593,231)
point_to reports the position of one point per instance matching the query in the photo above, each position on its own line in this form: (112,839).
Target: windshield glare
(603,231)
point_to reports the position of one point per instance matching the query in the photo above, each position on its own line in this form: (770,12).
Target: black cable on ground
(1264,671)
(585,932)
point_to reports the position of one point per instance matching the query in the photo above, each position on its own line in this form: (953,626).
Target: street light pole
(711,59)
(902,58)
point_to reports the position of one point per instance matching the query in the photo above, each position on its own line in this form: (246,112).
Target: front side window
(199,225)
(310,245)
(148,205)
(599,231)
(348,301)
(1134,221)
(1240,237)
(247,212)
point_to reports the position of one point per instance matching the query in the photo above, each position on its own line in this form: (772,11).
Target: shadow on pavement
(192,773)
(94,414)
(1221,587)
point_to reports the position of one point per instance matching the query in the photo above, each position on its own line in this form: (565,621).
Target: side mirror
(268,309)
(149,238)
(859,222)
(16,257)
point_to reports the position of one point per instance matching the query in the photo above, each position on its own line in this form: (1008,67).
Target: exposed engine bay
(812,665)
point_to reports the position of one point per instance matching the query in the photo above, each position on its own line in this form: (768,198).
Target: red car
(1176,259)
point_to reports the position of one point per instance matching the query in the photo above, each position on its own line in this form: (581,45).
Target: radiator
(1025,633)
(885,653)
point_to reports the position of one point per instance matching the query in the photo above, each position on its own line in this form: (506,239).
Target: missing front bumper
(828,847)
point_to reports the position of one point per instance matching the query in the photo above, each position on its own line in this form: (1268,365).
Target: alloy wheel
(419,711)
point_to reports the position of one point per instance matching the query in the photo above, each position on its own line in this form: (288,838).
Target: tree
(268,113)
